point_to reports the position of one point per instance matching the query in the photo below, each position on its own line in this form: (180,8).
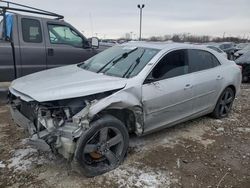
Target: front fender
(119,100)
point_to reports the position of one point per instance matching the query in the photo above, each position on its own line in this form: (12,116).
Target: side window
(201,60)
(60,34)
(171,65)
(31,30)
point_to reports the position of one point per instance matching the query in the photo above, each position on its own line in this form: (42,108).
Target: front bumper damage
(57,125)
(45,133)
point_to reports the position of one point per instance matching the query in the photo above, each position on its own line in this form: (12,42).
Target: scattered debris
(220,129)
(218,185)
(128,176)
(22,159)
(244,129)
(218,121)
(178,163)
(2,165)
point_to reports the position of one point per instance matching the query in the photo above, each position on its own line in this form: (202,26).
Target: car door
(207,80)
(66,46)
(32,45)
(167,91)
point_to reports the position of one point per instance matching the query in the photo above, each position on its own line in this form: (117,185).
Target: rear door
(167,97)
(32,45)
(65,45)
(207,79)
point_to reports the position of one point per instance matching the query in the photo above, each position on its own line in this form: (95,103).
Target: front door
(66,46)
(167,92)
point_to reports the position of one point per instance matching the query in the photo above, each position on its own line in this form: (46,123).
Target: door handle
(219,77)
(188,86)
(50,51)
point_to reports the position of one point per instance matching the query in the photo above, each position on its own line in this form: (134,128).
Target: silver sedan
(86,111)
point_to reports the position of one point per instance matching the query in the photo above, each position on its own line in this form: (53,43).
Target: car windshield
(1,27)
(120,61)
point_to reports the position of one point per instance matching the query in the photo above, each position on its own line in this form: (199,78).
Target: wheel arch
(216,111)
(129,117)
(124,106)
(232,87)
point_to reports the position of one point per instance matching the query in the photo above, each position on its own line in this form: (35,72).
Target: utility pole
(140,7)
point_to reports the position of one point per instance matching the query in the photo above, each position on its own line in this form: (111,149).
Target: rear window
(31,30)
(201,60)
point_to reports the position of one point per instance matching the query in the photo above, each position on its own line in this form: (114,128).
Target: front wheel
(224,104)
(103,147)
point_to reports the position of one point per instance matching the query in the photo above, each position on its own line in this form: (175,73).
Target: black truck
(29,43)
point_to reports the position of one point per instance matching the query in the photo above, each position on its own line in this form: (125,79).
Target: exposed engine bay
(54,125)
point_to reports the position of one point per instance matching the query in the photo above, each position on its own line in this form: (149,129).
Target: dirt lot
(200,153)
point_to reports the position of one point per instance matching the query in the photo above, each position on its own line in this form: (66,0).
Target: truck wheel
(224,104)
(103,147)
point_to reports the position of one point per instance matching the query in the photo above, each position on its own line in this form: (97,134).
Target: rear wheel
(224,104)
(103,147)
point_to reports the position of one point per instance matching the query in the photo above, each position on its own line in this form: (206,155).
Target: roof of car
(161,45)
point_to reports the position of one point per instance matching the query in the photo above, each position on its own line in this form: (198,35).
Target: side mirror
(149,80)
(94,42)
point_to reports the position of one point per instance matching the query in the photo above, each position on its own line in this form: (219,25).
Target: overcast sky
(114,18)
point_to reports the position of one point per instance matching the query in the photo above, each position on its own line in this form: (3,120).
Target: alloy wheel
(226,103)
(104,148)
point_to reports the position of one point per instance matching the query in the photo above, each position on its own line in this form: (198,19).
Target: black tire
(96,153)
(224,104)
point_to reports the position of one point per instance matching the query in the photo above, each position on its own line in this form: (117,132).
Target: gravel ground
(201,153)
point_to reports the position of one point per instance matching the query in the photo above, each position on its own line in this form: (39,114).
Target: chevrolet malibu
(86,111)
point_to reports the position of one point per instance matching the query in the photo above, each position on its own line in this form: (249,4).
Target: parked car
(243,51)
(240,46)
(108,43)
(229,48)
(30,44)
(217,49)
(87,110)
(244,62)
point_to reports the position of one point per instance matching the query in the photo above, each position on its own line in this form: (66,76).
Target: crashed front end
(53,125)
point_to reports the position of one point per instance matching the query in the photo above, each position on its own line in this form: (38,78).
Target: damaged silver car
(87,111)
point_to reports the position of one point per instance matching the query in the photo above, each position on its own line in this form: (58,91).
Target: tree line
(197,39)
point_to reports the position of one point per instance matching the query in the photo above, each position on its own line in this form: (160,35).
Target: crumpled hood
(62,83)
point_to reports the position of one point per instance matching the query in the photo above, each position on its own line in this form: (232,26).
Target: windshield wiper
(138,60)
(116,60)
